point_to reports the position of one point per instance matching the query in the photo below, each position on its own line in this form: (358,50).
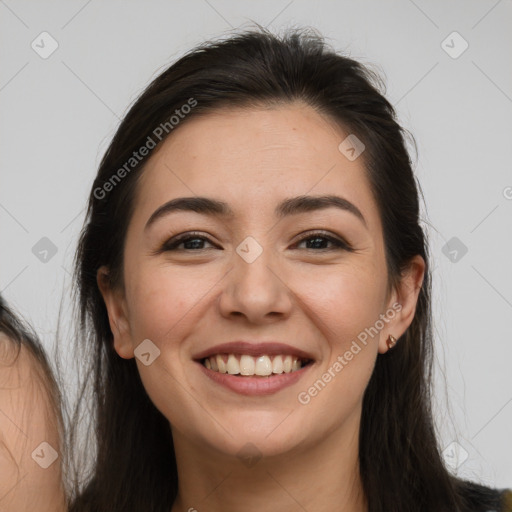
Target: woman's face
(270,274)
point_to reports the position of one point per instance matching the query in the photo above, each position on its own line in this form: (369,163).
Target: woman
(254,288)
(30,423)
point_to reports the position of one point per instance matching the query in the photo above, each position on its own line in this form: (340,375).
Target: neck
(316,479)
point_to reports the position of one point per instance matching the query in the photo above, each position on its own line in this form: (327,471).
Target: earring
(391,341)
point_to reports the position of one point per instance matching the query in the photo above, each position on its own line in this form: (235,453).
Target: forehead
(253,158)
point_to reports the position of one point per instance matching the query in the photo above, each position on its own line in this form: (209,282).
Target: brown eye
(319,241)
(190,242)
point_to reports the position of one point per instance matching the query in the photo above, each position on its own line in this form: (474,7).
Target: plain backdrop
(447,66)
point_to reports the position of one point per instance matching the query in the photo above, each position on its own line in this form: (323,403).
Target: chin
(259,434)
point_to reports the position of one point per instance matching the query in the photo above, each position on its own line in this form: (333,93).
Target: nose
(256,290)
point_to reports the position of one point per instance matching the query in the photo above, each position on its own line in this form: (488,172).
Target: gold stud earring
(391,341)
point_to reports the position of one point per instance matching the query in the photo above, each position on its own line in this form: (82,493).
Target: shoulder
(30,469)
(506,500)
(481,498)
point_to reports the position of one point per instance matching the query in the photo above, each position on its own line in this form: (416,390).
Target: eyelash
(173,243)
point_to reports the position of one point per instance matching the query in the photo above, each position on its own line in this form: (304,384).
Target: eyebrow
(291,206)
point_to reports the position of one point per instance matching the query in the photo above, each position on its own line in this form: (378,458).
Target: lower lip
(254,386)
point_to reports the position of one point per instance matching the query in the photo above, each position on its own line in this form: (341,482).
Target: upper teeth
(248,365)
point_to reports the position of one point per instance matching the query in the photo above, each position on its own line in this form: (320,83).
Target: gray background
(59,113)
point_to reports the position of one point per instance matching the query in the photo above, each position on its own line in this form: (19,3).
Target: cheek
(345,301)
(347,306)
(161,299)
(162,305)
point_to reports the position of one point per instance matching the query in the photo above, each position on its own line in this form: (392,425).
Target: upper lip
(253,349)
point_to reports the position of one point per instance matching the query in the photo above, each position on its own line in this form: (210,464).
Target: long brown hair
(134,467)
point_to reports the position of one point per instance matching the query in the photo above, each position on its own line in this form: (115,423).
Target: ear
(403,300)
(117,314)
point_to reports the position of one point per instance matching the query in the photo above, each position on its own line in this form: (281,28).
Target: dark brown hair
(400,461)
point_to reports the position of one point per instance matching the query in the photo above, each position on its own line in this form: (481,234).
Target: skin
(27,419)
(317,300)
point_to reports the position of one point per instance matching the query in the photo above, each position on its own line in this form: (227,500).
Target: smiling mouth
(244,365)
